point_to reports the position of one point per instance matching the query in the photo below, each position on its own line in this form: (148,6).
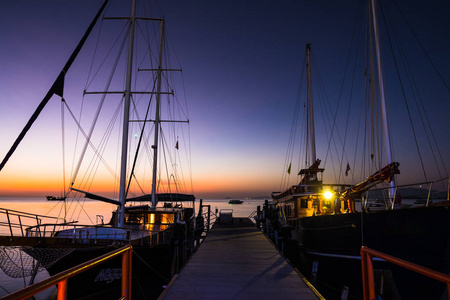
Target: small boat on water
(325,226)
(54,198)
(161,225)
(235,201)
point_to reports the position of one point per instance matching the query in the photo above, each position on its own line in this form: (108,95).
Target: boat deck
(236,261)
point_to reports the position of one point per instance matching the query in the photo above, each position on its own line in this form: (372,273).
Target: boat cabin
(310,197)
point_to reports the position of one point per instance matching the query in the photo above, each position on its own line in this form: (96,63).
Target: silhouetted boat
(163,232)
(324,223)
(235,201)
(53,198)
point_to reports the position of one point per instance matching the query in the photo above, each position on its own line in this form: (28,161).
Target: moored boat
(326,224)
(161,224)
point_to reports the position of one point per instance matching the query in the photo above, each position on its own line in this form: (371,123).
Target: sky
(242,63)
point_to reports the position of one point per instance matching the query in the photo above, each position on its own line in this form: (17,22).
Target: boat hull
(152,268)
(153,263)
(419,235)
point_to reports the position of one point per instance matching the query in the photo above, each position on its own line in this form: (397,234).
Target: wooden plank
(236,261)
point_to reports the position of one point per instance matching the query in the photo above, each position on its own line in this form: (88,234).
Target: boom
(385,174)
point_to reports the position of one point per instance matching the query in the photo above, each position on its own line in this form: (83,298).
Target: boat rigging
(327,223)
(163,234)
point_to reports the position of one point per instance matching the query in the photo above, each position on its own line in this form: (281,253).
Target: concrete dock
(236,261)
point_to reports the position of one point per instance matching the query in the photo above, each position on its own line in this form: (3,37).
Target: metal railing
(20,224)
(155,238)
(60,279)
(368,276)
(17,221)
(209,218)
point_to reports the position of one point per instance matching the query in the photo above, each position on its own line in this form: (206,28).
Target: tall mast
(387,138)
(157,115)
(126,115)
(311,138)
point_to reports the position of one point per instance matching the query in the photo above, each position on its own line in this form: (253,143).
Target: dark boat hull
(152,268)
(418,235)
(235,202)
(153,264)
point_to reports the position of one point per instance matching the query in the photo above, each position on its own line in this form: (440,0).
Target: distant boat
(235,201)
(53,198)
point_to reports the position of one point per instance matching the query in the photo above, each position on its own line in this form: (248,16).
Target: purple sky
(242,62)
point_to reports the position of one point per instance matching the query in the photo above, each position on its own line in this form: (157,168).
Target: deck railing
(16,221)
(367,271)
(60,279)
(20,224)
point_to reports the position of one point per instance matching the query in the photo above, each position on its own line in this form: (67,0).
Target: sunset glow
(241,71)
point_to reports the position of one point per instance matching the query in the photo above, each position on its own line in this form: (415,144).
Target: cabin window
(150,218)
(134,219)
(167,218)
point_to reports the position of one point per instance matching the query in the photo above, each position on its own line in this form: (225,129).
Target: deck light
(328,195)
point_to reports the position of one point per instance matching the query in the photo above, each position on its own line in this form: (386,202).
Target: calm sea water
(89,214)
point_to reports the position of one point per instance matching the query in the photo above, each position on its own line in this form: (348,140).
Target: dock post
(264,218)
(209,218)
(258,219)
(126,274)
(185,243)
(315,267)
(344,294)
(177,258)
(62,289)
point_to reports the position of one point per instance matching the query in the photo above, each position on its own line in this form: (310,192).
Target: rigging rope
(56,88)
(141,136)
(292,134)
(89,135)
(334,118)
(425,123)
(423,48)
(403,93)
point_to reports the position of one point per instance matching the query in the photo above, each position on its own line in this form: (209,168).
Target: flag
(348,169)
(289,169)
(176,145)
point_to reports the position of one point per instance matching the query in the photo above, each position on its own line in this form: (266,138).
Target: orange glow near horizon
(209,187)
(31,186)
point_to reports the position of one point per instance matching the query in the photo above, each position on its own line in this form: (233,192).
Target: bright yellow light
(328,195)
(152,218)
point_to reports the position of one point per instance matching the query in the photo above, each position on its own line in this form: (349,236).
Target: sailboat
(160,225)
(327,224)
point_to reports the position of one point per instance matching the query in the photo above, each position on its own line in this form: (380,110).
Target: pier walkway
(236,261)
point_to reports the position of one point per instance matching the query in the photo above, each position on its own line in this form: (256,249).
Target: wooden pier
(236,261)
